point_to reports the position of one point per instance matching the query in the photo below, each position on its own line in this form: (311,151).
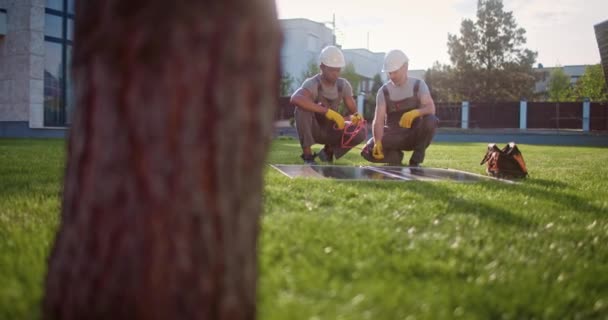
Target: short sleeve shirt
(329,92)
(406,90)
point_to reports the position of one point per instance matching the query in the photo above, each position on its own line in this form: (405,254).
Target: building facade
(303,39)
(35,51)
(367,64)
(544,75)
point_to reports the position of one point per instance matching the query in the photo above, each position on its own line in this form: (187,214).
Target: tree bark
(162,189)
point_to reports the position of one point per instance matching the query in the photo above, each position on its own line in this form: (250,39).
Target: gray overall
(314,127)
(396,138)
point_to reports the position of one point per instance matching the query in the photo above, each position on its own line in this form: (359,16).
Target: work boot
(309,158)
(326,154)
(415,168)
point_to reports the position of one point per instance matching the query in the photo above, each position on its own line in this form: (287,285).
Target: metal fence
(599,116)
(559,115)
(494,115)
(538,115)
(450,114)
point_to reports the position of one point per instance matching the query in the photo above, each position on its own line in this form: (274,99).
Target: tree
(592,84)
(559,89)
(286,83)
(369,107)
(349,73)
(489,61)
(162,189)
(376,84)
(442,83)
(312,68)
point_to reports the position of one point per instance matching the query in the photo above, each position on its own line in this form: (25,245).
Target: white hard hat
(332,57)
(393,60)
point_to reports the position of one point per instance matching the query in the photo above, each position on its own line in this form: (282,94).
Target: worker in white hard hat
(316,115)
(405,116)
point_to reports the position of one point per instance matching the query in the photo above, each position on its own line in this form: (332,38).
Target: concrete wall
(22,63)
(303,41)
(367,63)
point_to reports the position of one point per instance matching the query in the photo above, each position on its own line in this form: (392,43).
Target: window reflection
(70,33)
(69,93)
(53,87)
(58,93)
(52,26)
(55,4)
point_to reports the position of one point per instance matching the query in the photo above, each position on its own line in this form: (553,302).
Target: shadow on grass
(539,188)
(458,204)
(499,212)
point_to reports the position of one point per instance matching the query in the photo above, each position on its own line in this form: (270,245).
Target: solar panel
(385,173)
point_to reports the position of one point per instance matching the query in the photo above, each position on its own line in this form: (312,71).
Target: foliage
(440,79)
(489,60)
(369,107)
(287,82)
(376,84)
(592,85)
(312,69)
(349,73)
(559,88)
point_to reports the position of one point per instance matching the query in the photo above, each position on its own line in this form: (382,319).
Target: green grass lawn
(374,250)
(30,177)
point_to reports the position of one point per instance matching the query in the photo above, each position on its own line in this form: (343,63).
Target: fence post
(464,121)
(523,114)
(586,114)
(360,100)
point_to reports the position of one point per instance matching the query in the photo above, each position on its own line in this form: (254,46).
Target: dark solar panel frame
(377,173)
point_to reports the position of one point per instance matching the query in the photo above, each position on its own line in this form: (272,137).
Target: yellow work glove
(377,151)
(356,118)
(335,117)
(408,117)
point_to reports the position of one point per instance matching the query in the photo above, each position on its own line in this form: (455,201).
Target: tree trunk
(162,191)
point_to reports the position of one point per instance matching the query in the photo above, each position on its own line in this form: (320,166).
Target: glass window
(53,84)
(55,4)
(70,31)
(59,34)
(52,61)
(52,26)
(69,92)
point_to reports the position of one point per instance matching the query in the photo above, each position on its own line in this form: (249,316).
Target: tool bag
(507,163)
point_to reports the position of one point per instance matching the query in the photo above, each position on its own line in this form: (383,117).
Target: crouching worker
(316,116)
(405,116)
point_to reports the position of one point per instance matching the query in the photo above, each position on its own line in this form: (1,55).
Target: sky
(561,31)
